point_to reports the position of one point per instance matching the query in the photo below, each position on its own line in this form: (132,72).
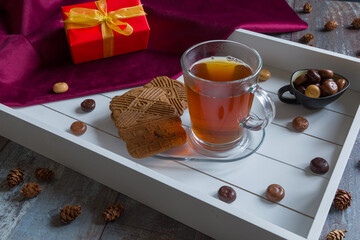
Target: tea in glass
(221,79)
(216,120)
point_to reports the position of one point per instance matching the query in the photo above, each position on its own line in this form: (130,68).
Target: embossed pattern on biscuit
(139,98)
(140,105)
(149,93)
(147,122)
(174,91)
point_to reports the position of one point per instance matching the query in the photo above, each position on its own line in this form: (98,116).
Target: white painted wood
(291,56)
(350,100)
(186,191)
(198,210)
(323,123)
(226,171)
(296,149)
(246,202)
(335,179)
(255,173)
(181,174)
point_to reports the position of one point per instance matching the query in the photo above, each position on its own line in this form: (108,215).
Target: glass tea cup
(221,79)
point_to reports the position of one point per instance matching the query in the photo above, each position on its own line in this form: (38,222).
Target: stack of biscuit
(148,117)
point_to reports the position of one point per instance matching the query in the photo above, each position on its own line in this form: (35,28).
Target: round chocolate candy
(300,80)
(301,89)
(312,91)
(341,83)
(227,194)
(300,123)
(329,87)
(275,193)
(326,73)
(319,165)
(88,105)
(78,128)
(325,79)
(313,76)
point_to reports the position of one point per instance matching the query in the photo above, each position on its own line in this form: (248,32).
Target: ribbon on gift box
(109,21)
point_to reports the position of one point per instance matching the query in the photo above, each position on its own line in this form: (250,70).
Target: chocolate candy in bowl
(314,88)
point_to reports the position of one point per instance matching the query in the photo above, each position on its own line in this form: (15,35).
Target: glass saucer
(187,153)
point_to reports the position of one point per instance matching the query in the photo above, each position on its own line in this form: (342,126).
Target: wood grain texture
(142,222)
(344,39)
(3,142)
(348,219)
(37,218)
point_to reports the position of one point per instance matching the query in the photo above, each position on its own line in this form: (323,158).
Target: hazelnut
(264,75)
(356,23)
(331,25)
(60,87)
(307,38)
(300,123)
(312,91)
(307,8)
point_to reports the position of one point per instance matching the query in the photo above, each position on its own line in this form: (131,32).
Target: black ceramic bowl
(309,102)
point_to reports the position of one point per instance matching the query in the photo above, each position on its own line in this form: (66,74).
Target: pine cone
(308,37)
(15,177)
(31,190)
(342,199)
(113,212)
(331,25)
(69,213)
(336,234)
(44,174)
(356,23)
(307,8)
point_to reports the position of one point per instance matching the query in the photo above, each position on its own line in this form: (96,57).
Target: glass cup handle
(252,122)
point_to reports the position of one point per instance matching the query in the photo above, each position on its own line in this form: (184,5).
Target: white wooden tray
(187,190)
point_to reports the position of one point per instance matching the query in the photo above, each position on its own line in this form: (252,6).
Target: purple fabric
(34,52)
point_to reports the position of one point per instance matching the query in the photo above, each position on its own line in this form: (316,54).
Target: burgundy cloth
(34,52)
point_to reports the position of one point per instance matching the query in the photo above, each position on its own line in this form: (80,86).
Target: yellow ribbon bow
(109,21)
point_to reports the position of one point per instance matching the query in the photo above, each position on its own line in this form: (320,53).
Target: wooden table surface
(37,218)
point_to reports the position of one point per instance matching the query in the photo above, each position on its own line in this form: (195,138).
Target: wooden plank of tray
(278,165)
(65,116)
(152,188)
(102,122)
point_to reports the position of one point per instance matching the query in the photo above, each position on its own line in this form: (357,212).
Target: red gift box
(87,42)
